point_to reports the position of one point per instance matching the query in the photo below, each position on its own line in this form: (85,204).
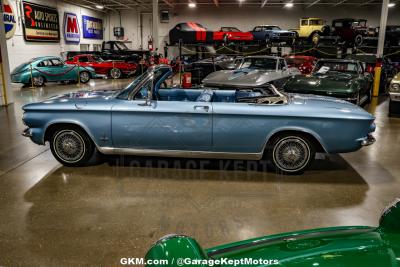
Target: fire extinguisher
(187,80)
(150,44)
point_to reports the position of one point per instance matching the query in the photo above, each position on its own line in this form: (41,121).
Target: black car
(201,68)
(190,33)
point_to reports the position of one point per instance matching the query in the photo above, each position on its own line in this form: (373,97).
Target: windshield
(121,46)
(97,58)
(273,28)
(259,63)
(230,29)
(344,67)
(295,61)
(361,23)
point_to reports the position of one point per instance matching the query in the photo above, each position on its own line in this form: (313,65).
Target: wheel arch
(314,137)
(51,127)
(314,32)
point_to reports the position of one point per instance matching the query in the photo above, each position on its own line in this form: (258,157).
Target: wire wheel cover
(69,146)
(84,76)
(291,153)
(38,81)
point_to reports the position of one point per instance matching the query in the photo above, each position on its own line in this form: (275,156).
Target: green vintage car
(340,78)
(50,69)
(350,246)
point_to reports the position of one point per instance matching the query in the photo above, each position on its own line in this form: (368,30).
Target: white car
(253,71)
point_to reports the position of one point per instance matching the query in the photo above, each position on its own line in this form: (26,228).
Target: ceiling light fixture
(192,5)
(289,5)
(99,6)
(391,4)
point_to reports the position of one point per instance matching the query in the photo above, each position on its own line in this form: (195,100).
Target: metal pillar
(382,28)
(6,96)
(155,24)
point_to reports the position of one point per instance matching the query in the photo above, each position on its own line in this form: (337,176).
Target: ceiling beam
(366,3)
(139,3)
(168,3)
(313,3)
(216,2)
(339,3)
(264,3)
(86,6)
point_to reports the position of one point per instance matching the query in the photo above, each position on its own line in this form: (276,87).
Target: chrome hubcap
(291,154)
(115,73)
(69,146)
(84,77)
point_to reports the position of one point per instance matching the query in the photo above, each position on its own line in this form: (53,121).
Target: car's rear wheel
(358,40)
(84,77)
(71,146)
(38,81)
(115,73)
(291,153)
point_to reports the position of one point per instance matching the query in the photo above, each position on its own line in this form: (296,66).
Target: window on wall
(97,47)
(84,47)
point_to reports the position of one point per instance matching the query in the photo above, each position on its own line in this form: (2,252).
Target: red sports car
(304,63)
(232,34)
(113,69)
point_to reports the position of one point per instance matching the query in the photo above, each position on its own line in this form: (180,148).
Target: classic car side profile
(149,118)
(345,246)
(231,34)
(253,71)
(273,34)
(50,69)
(311,29)
(111,68)
(394,92)
(341,78)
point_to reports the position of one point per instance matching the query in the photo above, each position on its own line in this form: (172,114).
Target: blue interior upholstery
(179,94)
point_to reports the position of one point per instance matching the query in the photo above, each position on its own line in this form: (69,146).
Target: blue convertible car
(149,118)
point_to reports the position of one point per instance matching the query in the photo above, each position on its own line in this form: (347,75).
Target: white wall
(246,17)
(20,51)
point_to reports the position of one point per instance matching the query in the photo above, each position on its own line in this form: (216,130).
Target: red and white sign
(9,19)
(72,33)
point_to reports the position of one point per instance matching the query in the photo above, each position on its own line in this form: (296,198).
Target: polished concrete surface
(57,216)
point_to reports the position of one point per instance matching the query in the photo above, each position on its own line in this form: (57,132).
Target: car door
(58,71)
(162,124)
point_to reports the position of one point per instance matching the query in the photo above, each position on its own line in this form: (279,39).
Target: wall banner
(9,18)
(41,23)
(92,28)
(72,33)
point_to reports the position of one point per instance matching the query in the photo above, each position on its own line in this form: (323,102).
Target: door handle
(206,108)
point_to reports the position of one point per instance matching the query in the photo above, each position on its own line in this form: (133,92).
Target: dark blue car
(272,34)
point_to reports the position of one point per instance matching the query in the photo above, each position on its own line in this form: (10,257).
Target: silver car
(253,71)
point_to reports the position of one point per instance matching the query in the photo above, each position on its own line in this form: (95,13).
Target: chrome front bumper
(27,132)
(394,96)
(369,140)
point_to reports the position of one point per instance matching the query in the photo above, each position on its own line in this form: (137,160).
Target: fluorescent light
(391,4)
(99,6)
(192,5)
(289,5)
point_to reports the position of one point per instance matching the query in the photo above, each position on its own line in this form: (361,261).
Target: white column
(5,88)
(155,24)
(382,28)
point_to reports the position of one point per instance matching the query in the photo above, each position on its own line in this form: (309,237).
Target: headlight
(394,87)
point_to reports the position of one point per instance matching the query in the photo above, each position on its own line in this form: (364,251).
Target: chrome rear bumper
(369,140)
(27,132)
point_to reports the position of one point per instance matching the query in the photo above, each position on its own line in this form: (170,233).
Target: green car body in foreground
(50,69)
(330,247)
(340,78)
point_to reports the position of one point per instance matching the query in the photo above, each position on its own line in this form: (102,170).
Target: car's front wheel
(38,81)
(71,146)
(291,153)
(115,73)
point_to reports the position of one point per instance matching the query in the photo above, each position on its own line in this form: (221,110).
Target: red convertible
(232,34)
(305,64)
(113,69)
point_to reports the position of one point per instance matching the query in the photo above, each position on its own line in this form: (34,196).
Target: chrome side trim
(179,153)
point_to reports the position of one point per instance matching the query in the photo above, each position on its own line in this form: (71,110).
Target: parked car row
(349,31)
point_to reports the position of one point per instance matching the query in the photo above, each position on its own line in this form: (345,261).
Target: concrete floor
(57,216)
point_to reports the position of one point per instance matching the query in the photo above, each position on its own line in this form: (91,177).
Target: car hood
(241,77)
(322,82)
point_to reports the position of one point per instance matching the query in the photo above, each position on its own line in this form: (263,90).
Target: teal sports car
(345,246)
(50,69)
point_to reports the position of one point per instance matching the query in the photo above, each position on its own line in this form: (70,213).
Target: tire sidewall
(115,69)
(80,78)
(88,146)
(39,84)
